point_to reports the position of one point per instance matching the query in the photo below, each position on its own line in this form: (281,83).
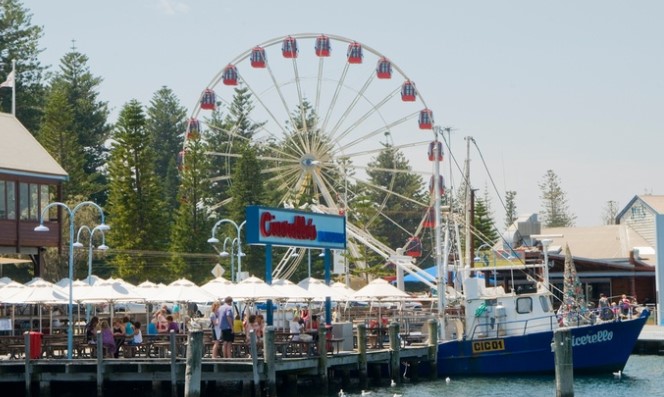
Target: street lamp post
(235,250)
(238,228)
(43,228)
(91,233)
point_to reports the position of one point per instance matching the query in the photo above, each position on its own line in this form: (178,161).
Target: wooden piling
(395,352)
(28,366)
(362,350)
(270,357)
(100,365)
(433,348)
(254,361)
(192,373)
(562,348)
(174,356)
(322,357)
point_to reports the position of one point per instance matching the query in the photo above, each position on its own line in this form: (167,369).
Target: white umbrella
(149,291)
(39,292)
(219,287)
(291,290)
(318,290)
(4,281)
(183,290)
(253,289)
(345,291)
(379,290)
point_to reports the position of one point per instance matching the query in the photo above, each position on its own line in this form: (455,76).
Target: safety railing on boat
(514,327)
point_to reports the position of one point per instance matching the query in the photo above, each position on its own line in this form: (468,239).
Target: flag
(10,80)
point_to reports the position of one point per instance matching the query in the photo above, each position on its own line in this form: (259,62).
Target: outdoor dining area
(33,320)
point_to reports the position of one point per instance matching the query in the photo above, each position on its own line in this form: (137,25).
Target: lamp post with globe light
(235,250)
(43,228)
(215,240)
(91,233)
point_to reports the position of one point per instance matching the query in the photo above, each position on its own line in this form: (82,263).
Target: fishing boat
(488,330)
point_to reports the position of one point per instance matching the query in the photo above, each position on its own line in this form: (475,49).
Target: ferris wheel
(323,109)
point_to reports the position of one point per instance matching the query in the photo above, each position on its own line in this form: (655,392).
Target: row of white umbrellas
(95,290)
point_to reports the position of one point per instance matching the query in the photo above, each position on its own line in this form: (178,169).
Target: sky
(573,87)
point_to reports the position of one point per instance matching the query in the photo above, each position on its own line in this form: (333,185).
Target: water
(643,376)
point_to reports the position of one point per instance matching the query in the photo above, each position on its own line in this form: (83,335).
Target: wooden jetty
(650,341)
(257,375)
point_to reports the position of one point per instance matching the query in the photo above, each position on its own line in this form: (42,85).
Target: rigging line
(283,101)
(486,168)
(319,82)
(358,95)
(375,132)
(335,97)
(393,170)
(371,111)
(277,168)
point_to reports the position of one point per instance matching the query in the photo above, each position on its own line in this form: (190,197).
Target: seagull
(365,393)
(342,393)
(618,374)
(397,395)
(393,383)
(447,380)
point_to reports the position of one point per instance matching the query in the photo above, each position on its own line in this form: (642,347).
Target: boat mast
(441,280)
(469,202)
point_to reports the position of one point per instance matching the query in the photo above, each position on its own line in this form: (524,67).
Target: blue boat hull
(599,348)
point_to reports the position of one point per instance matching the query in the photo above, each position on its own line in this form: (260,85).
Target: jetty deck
(257,374)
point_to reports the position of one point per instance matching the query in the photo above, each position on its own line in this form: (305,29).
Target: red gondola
(289,47)
(414,247)
(408,92)
(354,53)
(193,129)
(384,69)
(257,57)
(435,145)
(229,77)
(430,219)
(441,185)
(208,100)
(426,119)
(323,47)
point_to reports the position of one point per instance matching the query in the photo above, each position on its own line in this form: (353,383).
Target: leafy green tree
(19,41)
(58,137)
(511,214)
(555,209)
(166,125)
(136,206)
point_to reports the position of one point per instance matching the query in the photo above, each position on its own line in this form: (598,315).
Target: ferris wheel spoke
(380,149)
(324,190)
(353,103)
(303,116)
(388,191)
(319,82)
(376,132)
(374,109)
(277,87)
(335,97)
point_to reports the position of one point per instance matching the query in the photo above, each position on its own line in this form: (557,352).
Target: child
(138,335)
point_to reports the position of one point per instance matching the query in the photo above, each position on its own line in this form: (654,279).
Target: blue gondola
(384,69)
(323,47)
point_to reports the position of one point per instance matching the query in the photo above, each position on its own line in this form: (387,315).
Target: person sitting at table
(238,326)
(313,327)
(107,339)
(295,328)
(118,336)
(160,321)
(91,330)
(250,325)
(137,339)
(128,327)
(259,328)
(171,325)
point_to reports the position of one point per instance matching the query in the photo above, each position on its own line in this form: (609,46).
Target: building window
(32,198)
(10,188)
(638,212)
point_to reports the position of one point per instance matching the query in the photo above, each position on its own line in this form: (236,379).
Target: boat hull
(598,348)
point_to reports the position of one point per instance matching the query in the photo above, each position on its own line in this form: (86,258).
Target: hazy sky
(572,86)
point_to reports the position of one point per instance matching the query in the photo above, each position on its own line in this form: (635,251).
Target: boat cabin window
(546,304)
(524,305)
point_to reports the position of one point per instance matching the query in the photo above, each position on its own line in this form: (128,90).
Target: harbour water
(643,376)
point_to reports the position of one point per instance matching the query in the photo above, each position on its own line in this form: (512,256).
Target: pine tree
(192,223)
(483,225)
(89,120)
(166,125)
(136,207)
(555,209)
(58,137)
(511,214)
(19,41)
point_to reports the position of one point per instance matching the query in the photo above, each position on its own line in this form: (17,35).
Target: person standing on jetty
(227,327)
(215,324)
